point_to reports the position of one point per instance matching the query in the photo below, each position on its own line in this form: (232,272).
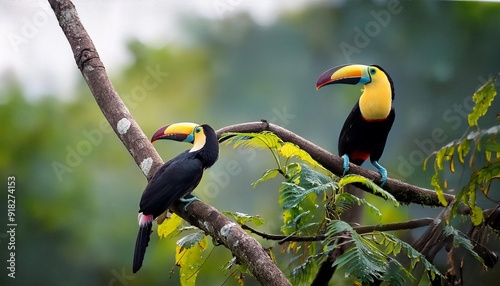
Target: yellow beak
(346,74)
(183,132)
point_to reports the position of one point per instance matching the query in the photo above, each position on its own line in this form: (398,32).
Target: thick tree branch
(403,192)
(243,246)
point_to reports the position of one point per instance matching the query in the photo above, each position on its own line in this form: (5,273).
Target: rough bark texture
(244,247)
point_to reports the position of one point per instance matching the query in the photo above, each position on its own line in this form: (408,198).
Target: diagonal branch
(403,192)
(207,218)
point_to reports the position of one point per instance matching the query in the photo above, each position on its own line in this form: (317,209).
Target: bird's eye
(373,70)
(198,129)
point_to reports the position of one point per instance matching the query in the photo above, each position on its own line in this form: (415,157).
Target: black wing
(173,180)
(348,135)
(381,135)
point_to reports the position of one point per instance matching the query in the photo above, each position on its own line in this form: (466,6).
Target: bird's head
(350,74)
(183,132)
(378,93)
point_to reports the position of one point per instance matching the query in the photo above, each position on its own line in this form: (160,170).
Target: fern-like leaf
(242,218)
(362,260)
(269,174)
(483,99)
(367,261)
(459,239)
(353,179)
(263,140)
(289,150)
(302,274)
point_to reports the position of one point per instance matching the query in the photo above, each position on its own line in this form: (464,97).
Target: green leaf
(188,257)
(476,215)
(170,226)
(289,150)
(303,273)
(439,190)
(362,260)
(269,174)
(414,255)
(459,239)
(480,179)
(492,147)
(366,261)
(242,218)
(394,274)
(303,182)
(445,153)
(298,197)
(344,201)
(190,240)
(353,179)
(483,98)
(462,150)
(263,140)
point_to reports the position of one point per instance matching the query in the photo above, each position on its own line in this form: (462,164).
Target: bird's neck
(376,101)
(198,143)
(206,148)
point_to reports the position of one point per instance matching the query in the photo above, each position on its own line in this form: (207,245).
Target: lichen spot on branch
(123,125)
(146,165)
(226,229)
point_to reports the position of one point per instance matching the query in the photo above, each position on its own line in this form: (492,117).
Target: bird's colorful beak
(183,132)
(346,74)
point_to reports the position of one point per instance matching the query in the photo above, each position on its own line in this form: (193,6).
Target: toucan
(365,130)
(175,179)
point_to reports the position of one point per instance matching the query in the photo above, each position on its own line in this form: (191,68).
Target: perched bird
(176,178)
(365,130)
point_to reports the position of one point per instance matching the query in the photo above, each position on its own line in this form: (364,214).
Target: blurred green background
(77,188)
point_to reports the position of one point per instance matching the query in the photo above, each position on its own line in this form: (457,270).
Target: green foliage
(242,218)
(301,274)
(353,179)
(483,99)
(459,239)
(473,144)
(304,184)
(269,140)
(370,256)
(188,257)
(170,227)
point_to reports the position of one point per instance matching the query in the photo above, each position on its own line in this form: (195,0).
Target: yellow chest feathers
(376,101)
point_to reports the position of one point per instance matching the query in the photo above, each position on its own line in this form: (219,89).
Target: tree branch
(403,192)
(411,224)
(243,246)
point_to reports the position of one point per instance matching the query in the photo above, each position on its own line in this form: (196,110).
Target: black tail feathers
(140,245)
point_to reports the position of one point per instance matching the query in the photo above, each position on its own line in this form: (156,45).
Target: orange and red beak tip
(324,78)
(159,134)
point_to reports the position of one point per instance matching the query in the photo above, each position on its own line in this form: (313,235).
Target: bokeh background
(219,62)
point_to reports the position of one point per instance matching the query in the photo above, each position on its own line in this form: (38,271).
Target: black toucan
(365,130)
(176,178)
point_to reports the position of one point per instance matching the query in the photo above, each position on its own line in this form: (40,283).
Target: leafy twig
(411,224)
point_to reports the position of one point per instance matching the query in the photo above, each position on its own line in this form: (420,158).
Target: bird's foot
(346,164)
(382,171)
(188,199)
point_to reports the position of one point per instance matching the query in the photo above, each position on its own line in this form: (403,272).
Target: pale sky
(35,52)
